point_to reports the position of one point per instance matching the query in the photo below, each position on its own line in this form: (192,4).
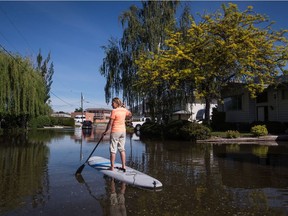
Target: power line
(21,35)
(61,99)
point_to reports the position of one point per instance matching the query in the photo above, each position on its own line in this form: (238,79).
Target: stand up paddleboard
(129,176)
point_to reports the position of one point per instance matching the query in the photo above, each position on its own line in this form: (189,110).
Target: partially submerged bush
(195,131)
(232,134)
(259,130)
(185,130)
(151,130)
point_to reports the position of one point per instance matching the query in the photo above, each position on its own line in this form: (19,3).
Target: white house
(193,111)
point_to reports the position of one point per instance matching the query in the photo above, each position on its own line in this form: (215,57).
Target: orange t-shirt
(119,116)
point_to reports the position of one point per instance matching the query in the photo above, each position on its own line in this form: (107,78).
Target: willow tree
(226,47)
(144,31)
(22,89)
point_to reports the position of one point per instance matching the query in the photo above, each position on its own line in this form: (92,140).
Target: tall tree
(232,46)
(47,72)
(22,89)
(144,31)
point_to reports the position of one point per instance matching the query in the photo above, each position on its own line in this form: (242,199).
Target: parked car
(87,125)
(139,122)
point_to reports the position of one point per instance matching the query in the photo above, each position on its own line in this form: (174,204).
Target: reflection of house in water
(261,170)
(252,166)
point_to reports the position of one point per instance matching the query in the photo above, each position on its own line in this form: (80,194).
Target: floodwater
(37,177)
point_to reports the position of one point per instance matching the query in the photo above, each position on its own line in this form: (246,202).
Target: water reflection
(117,199)
(23,171)
(37,177)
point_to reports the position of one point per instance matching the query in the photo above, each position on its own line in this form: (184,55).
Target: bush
(151,130)
(259,130)
(194,131)
(185,130)
(40,122)
(272,126)
(232,134)
(171,130)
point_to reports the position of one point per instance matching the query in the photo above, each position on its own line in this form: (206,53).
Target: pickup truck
(139,122)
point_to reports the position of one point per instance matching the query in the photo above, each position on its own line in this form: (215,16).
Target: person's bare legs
(123,159)
(112,160)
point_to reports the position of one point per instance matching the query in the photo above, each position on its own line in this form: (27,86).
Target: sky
(74,33)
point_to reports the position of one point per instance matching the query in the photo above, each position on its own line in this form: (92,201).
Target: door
(262,113)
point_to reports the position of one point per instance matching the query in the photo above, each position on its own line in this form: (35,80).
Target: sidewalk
(265,140)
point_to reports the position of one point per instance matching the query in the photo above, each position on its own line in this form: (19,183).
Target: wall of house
(197,109)
(242,115)
(279,107)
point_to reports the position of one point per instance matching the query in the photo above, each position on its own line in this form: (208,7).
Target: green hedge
(259,130)
(175,130)
(47,121)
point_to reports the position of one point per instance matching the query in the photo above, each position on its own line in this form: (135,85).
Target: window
(233,103)
(284,94)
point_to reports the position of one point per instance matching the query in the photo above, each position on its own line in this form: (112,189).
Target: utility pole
(82,107)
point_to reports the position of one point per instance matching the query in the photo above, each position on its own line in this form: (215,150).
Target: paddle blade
(79,170)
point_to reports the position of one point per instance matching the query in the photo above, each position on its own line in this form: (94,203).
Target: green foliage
(143,30)
(47,121)
(185,130)
(39,122)
(46,72)
(259,130)
(223,47)
(151,130)
(62,121)
(232,134)
(22,90)
(172,129)
(272,126)
(194,131)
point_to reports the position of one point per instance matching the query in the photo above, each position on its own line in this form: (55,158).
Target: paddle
(79,170)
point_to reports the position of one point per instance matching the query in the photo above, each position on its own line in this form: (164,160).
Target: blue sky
(74,31)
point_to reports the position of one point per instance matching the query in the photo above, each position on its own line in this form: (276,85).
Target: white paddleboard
(130,176)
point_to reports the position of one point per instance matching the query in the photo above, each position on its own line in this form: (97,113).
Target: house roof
(182,112)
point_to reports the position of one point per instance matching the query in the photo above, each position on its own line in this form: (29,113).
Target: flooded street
(37,177)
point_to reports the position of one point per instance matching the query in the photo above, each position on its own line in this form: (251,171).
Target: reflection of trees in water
(192,184)
(23,171)
(46,135)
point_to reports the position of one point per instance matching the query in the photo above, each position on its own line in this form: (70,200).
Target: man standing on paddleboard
(118,131)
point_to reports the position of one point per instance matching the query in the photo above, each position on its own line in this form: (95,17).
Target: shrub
(195,131)
(232,134)
(272,126)
(172,131)
(151,130)
(259,130)
(39,122)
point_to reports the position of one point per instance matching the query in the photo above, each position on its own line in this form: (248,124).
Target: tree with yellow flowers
(223,47)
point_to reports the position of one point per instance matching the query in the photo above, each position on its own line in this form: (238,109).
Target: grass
(222,134)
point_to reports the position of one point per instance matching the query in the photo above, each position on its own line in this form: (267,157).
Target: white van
(79,118)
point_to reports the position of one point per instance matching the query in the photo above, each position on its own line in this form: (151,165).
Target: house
(271,105)
(94,114)
(193,111)
(98,114)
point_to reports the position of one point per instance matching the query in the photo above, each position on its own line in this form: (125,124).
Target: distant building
(61,114)
(98,114)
